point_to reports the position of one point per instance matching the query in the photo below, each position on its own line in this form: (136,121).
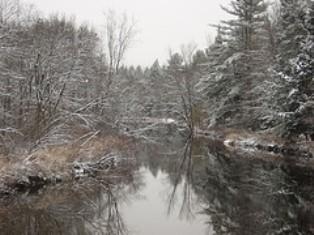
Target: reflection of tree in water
(91,208)
(253,197)
(238,195)
(241,195)
(184,176)
(173,158)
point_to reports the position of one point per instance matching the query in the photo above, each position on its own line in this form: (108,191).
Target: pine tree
(301,83)
(236,74)
(291,32)
(294,68)
(215,85)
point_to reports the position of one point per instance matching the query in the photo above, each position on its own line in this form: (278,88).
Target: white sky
(162,24)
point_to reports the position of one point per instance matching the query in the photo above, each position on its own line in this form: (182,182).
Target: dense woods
(227,129)
(60,80)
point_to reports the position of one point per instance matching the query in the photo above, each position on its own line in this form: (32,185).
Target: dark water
(180,188)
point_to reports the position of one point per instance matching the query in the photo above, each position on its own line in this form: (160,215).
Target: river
(176,188)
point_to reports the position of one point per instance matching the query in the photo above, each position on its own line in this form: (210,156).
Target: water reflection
(249,196)
(170,204)
(182,164)
(148,215)
(239,194)
(80,208)
(184,173)
(177,187)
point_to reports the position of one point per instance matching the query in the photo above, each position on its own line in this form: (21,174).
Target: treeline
(261,68)
(257,75)
(165,91)
(58,78)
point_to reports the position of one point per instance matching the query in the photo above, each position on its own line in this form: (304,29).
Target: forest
(66,95)
(57,76)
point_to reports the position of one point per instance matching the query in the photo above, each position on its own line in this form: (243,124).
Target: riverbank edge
(267,145)
(100,156)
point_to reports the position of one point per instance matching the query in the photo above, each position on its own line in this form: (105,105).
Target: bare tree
(120,32)
(187,52)
(9,10)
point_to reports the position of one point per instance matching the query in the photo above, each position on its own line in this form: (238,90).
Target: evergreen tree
(215,85)
(241,65)
(291,32)
(294,68)
(300,103)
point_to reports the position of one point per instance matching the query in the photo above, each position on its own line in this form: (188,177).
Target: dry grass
(58,158)
(4,162)
(54,161)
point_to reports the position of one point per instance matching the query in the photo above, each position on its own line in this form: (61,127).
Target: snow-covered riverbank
(252,143)
(102,156)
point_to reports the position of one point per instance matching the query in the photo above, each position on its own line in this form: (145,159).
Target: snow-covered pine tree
(301,83)
(247,36)
(294,67)
(215,84)
(291,32)
(237,78)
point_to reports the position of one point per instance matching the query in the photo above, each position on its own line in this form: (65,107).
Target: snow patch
(228,142)
(245,144)
(167,121)
(292,92)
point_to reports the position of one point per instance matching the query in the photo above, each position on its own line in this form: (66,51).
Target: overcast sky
(162,24)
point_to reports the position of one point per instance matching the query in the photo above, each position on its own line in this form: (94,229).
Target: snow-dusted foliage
(237,68)
(58,78)
(50,70)
(295,68)
(260,68)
